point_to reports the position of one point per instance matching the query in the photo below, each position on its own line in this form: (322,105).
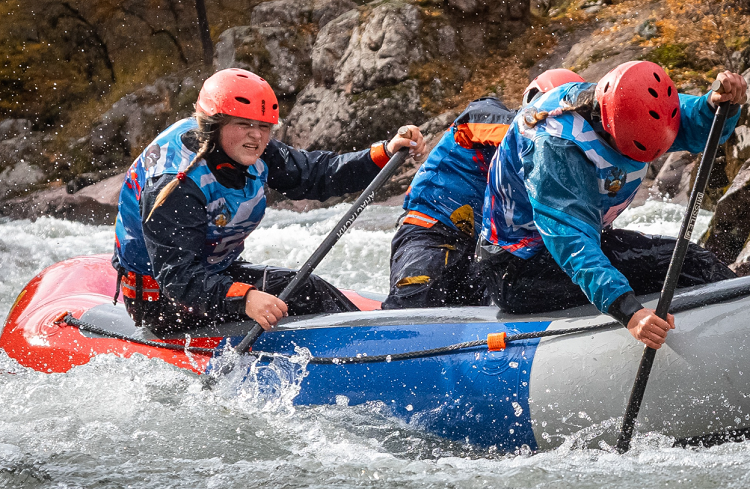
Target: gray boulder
(96,204)
(740,149)
(330,46)
(291,13)
(381,50)
(332,119)
(134,120)
(279,54)
(22,159)
(741,266)
(673,180)
(274,45)
(11,128)
(730,226)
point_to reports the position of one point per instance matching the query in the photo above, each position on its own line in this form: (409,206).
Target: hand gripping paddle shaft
(675,267)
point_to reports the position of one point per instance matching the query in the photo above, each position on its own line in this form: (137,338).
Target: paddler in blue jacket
(432,253)
(197,191)
(571,163)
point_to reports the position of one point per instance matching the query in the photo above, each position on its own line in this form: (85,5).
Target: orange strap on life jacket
(150,287)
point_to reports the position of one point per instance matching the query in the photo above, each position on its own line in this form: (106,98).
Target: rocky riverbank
(349,73)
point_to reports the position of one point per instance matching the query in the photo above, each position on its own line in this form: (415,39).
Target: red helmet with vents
(640,109)
(238,93)
(549,80)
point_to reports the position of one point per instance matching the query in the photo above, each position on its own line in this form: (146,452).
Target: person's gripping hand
(265,309)
(647,327)
(733,89)
(412,139)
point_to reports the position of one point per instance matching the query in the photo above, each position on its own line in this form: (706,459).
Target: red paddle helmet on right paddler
(640,109)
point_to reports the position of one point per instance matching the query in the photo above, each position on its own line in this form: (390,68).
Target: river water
(117,423)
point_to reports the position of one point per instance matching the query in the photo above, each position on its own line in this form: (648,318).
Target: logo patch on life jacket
(223,217)
(615,181)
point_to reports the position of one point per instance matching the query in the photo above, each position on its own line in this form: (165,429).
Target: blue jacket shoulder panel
(452,180)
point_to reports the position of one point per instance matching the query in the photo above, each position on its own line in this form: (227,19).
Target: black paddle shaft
(673,273)
(365,199)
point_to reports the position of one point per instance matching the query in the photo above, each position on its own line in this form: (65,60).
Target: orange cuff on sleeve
(378,154)
(238,289)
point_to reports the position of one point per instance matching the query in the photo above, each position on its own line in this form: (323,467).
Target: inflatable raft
(432,367)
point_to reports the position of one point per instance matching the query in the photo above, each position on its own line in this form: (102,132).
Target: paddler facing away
(197,191)
(571,163)
(432,253)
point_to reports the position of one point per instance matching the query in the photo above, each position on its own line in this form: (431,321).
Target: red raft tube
(35,335)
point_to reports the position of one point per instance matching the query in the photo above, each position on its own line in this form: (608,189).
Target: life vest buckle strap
(143,287)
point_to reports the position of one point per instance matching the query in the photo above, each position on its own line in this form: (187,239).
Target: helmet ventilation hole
(241,75)
(242,100)
(674,113)
(653,93)
(657,77)
(606,87)
(654,114)
(275,106)
(639,145)
(669,91)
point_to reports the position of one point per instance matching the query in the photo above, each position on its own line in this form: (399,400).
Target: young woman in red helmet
(432,254)
(197,191)
(570,164)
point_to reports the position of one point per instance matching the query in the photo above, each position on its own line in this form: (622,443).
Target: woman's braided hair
(585,104)
(207,135)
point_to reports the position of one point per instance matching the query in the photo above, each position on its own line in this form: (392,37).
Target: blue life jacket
(449,186)
(232,213)
(508,219)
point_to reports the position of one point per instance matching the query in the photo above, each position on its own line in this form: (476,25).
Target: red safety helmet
(238,93)
(549,80)
(640,109)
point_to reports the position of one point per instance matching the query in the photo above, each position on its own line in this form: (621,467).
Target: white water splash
(142,423)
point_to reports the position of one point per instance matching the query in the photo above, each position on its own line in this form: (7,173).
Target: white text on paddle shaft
(356,214)
(693,216)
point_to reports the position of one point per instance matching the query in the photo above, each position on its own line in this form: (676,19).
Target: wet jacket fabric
(558,184)
(200,229)
(538,284)
(449,186)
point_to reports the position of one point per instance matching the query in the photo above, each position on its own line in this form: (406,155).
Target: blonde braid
(585,102)
(208,130)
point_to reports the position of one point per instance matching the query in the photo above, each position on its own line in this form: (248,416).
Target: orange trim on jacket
(239,289)
(471,133)
(420,219)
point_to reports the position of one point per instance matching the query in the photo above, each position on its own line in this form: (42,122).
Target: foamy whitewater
(136,422)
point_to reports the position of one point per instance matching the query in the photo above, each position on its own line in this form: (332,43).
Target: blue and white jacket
(558,184)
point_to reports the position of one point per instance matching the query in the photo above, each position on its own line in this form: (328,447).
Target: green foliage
(670,56)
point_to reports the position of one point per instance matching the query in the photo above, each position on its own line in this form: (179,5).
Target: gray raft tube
(698,392)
